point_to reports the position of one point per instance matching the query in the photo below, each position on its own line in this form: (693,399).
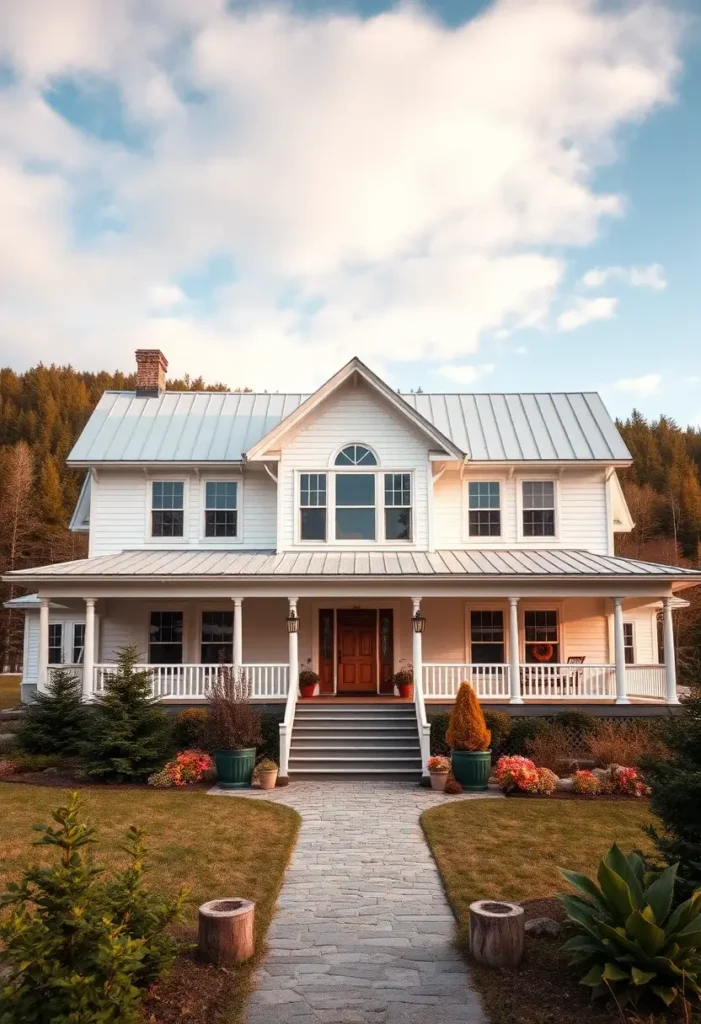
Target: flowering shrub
(438,764)
(7,768)
(545,784)
(188,766)
(515,772)
(586,783)
(627,782)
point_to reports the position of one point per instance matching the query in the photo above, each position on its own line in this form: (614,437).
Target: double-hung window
(78,642)
(312,506)
(55,643)
(487,637)
(484,509)
(397,506)
(217,645)
(629,642)
(167,508)
(541,637)
(165,646)
(538,508)
(220,508)
(355,506)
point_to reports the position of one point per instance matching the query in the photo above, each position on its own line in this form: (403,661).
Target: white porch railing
(645,681)
(562,681)
(444,680)
(191,682)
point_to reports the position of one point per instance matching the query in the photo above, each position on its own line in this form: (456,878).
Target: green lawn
(217,846)
(9,691)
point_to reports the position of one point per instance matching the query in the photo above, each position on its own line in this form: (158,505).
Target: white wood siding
(581,511)
(644,631)
(355,414)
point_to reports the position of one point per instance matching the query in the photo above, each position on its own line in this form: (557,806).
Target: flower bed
(518,775)
(187,767)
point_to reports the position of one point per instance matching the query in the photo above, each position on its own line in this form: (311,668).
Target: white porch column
(619,651)
(89,648)
(43,667)
(417,646)
(670,668)
(514,665)
(293,656)
(238,634)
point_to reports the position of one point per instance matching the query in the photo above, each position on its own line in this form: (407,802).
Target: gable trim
(260,450)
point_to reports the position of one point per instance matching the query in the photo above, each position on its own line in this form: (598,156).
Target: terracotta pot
(438,780)
(406,690)
(267,780)
(307,689)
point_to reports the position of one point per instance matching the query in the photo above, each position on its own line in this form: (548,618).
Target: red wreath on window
(543,652)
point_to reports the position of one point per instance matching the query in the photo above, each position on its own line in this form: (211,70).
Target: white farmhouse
(356,531)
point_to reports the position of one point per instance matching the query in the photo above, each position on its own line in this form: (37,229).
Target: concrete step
(352,775)
(379,745)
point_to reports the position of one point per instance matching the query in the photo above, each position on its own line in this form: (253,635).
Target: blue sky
(470,196)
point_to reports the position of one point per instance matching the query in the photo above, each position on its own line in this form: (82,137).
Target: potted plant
(307,682)
(267,770)
(438,769)
(233,729)
(404,681)
(469,740)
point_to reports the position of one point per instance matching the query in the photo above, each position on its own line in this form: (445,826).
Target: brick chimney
(151,366)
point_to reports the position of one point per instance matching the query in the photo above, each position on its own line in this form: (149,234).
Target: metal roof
(219,427)
(513,563)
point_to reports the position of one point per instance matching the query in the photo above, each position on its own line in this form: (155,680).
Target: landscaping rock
(600,773)
(565,785)
(539,926)
(7,739)
(50,771)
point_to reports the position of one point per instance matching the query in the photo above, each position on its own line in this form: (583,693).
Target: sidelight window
(397,506)
(78,642)
(312,501)
(629,642)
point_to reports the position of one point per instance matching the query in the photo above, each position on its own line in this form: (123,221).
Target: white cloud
(166,296)
(466,374)
(379,185)
(641,386)
(521,350)
(651,276)
(585,311)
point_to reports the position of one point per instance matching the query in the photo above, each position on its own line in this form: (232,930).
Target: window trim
(482,537)
(537,478)
(164,478)
(379,473)
(221,478)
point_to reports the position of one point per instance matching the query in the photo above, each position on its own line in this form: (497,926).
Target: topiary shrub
(467,729)
(56,722)
(675,784)
(76,948)
(130,737)
(189,729)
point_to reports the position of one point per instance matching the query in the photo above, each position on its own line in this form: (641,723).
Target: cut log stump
(496,933)
(225,934)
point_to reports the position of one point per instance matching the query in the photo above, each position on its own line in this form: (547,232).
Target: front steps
(373,741)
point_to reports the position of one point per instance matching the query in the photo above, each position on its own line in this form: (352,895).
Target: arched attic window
(355,455)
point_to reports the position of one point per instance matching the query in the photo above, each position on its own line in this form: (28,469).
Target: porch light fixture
(292,624)
(419,621)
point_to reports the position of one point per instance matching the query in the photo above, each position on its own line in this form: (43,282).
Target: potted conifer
(232,729)
(469,740)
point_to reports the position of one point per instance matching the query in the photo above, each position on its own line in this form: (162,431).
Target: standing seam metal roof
(220,427)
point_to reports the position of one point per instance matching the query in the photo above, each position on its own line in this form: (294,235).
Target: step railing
(193,682)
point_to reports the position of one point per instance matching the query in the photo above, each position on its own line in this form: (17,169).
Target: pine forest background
(43,411)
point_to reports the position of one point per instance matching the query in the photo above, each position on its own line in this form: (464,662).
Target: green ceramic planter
(235,767)
(471,768)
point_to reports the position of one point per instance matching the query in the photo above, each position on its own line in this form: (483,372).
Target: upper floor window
(167,503)
(397,506)
(484,509)
(629,642)
(538,508)
(355,455)
(355,506)
(221,508)
(312,506)
(55,643)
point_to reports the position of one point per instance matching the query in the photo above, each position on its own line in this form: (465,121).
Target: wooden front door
(357,651)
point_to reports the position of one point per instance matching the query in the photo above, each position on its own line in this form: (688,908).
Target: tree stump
(225,933)
(496,933)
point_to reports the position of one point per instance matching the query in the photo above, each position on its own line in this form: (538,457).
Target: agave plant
(631,940)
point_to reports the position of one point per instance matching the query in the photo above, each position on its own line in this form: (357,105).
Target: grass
(9,691)
(511,850)
(215,846)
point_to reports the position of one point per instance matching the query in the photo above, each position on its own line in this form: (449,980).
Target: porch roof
(448,564)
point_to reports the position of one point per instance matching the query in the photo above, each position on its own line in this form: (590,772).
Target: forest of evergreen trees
(43,411)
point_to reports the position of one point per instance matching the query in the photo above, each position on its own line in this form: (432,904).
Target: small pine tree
(675,782)
(130,737)
(467,729)
(56,722)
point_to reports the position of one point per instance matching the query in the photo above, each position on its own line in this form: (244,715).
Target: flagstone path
(363,932)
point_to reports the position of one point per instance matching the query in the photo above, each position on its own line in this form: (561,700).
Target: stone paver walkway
(363,932)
